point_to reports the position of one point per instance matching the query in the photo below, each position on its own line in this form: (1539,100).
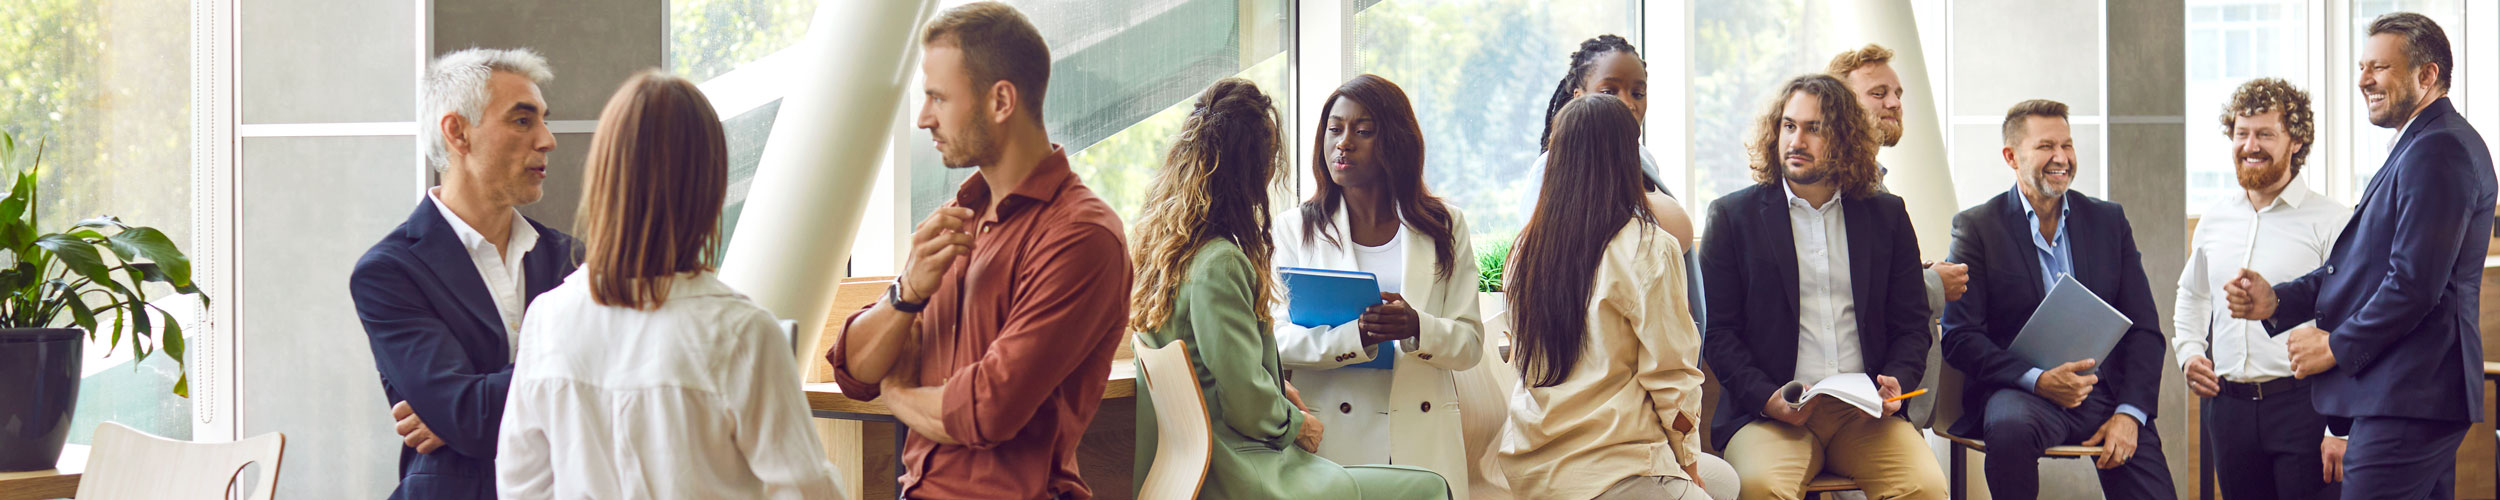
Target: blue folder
(1326,298)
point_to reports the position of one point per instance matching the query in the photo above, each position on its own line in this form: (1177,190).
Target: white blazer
(1404,416)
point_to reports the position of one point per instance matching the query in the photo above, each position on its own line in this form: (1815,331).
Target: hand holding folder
(1326,298)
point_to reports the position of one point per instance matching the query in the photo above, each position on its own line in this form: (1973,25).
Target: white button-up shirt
(1827,319)
(698,398)
(2284,241)
(502,272)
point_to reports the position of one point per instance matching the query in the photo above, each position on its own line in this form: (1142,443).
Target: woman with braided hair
(1609,65)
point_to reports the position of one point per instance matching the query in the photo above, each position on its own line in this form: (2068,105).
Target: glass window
(1480,75)
(1123,75)
(2260,39)
(709,37)
(1742,52)
(2369,142)
(86,79)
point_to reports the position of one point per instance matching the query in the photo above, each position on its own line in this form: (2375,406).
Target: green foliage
(1741,53)
(72,276)
(1491,258)
(710,37)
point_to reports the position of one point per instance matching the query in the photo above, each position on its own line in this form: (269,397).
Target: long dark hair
(1853,139)
(1400,149)
(1214,186)
(1582,61)
(1592,188)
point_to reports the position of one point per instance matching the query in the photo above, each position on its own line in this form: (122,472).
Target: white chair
(126,463)
(1183,445)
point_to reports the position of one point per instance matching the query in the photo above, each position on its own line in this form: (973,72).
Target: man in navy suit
(2395,347)
(2018,245)
(441,296)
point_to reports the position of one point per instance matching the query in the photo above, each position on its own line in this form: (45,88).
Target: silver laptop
(2071,324)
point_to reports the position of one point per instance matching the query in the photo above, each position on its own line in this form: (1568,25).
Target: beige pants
(1887,457)
(1653,488)
(1718,480)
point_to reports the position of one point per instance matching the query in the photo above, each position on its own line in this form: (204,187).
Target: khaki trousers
(1886,456)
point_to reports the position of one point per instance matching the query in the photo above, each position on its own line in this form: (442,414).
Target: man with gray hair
(442,295)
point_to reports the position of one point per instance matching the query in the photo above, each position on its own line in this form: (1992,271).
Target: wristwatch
(894,297)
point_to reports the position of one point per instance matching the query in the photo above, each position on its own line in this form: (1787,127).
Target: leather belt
(2258,391)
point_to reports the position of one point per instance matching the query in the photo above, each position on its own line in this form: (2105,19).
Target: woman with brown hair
(1386,381)
(643,375)
(1609,400)
(1202,252)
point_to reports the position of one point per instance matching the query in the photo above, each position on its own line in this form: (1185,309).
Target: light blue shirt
(2057,259)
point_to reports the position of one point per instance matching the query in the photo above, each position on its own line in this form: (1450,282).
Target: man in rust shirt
(995,343)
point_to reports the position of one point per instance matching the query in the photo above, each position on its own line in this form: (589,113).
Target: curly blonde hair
(1215,184)
(1853,140)
(2265,95)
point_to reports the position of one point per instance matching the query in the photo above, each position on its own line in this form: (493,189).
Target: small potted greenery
(59,287)
(1492,257)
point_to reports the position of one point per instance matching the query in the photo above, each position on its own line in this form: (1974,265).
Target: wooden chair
(1948,394)
(127,463)
(859,450)
(1183,445)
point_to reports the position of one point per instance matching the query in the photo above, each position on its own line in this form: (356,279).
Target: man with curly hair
(2019,245)
(1812,274)
(2395,345)
(2258,413)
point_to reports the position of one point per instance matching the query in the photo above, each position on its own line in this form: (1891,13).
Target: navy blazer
(1994,238)
(439,344)
(2400,293)
(1749,267)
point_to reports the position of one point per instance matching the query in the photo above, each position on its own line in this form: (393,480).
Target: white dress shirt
(1827,311)
(502,273)
(698,398)
(2284,241)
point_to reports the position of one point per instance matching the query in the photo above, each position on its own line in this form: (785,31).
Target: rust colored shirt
(1022,333)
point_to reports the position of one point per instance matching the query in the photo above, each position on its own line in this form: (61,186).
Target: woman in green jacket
(1201,251)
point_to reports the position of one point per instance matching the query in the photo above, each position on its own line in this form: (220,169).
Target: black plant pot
(38,390)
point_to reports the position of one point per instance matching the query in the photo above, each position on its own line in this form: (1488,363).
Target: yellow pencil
(1912,394)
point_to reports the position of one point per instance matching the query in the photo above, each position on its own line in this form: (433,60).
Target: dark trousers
(2268,448)
(2407,458)
(2021,426)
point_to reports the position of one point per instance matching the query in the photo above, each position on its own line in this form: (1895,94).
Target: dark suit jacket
(1749,264)
(2401,290)
(440,345)
(1994,238)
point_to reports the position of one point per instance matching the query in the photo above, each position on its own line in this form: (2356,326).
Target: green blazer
(1234,358)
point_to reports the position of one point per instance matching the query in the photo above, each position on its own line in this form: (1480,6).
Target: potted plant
(58,287)
(1492,257)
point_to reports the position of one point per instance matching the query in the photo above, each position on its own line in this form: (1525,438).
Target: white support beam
(815,179)
(1920,174)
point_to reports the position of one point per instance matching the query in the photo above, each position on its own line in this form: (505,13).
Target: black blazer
(2401,291)
(1749,267)
(1994,238)
(439,345)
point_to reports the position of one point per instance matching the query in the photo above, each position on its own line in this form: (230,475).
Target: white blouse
(697,399)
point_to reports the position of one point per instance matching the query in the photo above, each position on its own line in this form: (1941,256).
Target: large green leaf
(79,313)
(80,256)
(172,336)
(152,244)
(21,195)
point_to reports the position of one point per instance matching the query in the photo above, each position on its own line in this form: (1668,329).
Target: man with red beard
(2396,346)
(1868,71)
(2258,414)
